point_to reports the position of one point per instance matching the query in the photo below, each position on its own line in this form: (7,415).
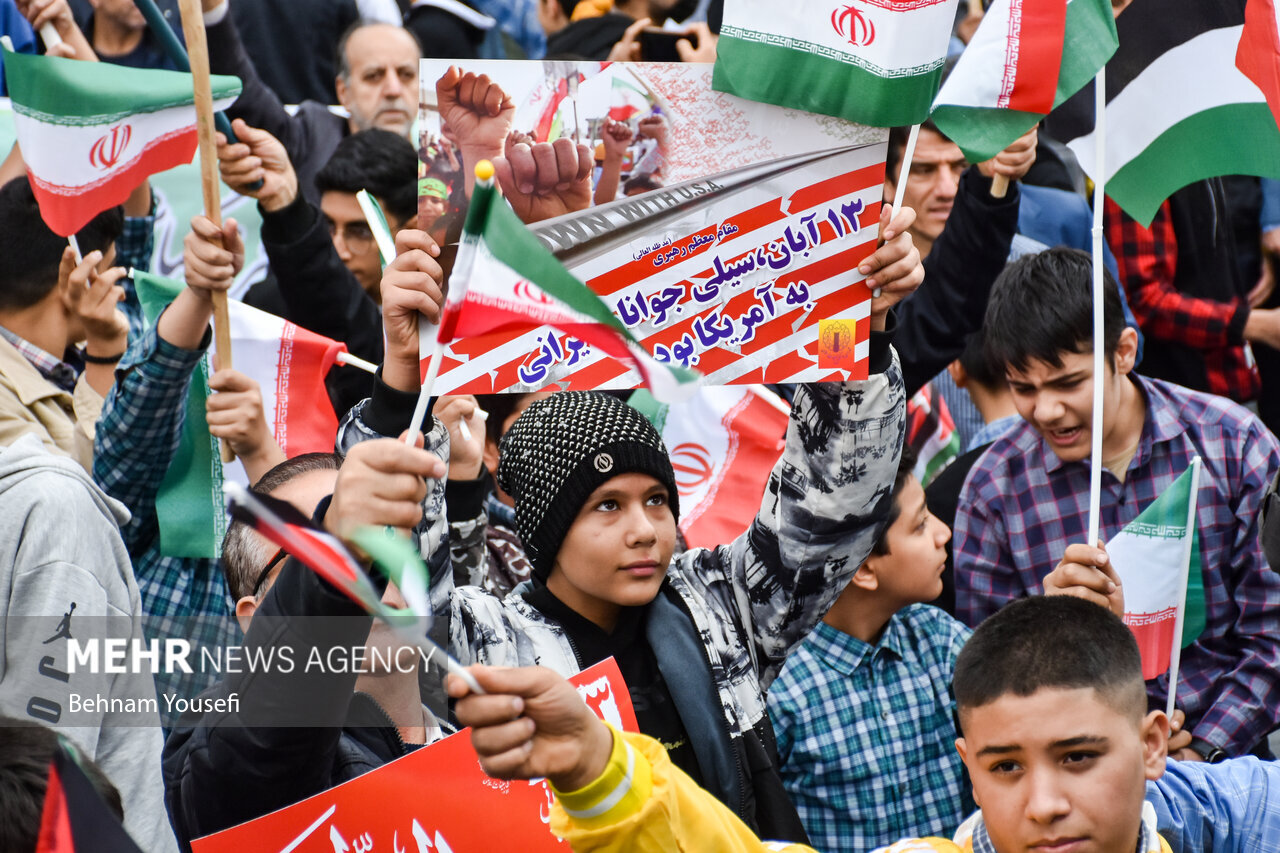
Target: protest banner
(741,264)
(437,796)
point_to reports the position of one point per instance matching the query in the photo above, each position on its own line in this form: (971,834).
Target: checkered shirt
(134,248)
(57,371)
(1021,506)
(866,733)
(137,437)
(1147,259)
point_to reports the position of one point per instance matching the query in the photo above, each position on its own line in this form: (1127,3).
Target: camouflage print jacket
(746,604)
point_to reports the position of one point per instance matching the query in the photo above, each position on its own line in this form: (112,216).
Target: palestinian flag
(75,818)
(1179,108)
(1159,564)
(289,364)
(876,62)
(505,279)
(1258,55)
(723,444)
(931,433)
(1027,57)
(326,555)
(92,131)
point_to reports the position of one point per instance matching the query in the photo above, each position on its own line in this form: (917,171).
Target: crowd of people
(883,659)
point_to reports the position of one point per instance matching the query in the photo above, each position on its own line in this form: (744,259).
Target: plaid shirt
(136,439)
(134,248)
(1021,506)
(1147,259)
(59,372)
(866,733)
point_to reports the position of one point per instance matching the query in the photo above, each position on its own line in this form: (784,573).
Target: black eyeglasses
(266,570)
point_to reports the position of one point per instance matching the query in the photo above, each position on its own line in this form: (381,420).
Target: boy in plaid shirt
(863,710)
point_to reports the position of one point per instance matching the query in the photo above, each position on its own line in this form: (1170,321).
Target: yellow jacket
(29,403)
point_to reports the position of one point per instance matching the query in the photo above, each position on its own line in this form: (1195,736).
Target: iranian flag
(875,62)
(1179,107)
(1157,556)
(289,364)
(1027,57)
(723,443)
(505,279)
(91,131)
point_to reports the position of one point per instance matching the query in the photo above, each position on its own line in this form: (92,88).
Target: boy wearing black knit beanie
(699,638)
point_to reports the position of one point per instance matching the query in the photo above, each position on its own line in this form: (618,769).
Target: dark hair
(906,466)
(243,554)
(1041,306)
(499,408)
(568,6)
(340,50)
(898,146)
(32,252)
(382,162)
(647,182)
(26,749)
(1050,642)
(977,366)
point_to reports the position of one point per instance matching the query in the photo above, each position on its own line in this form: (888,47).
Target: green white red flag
(876,62)
(1258,54)
(91,131)
(1159,563)
(1026,58)
(505,279)
(1182,104)
(289,364)
(723,444)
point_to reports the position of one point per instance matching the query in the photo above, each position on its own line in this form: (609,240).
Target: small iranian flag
(876,62)
(1027,57)
(91,131)
(1183,103)
(504,279)
(1158,560)
(723,444)
(289,364)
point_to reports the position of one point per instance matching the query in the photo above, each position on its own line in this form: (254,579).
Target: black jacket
(590,38)
(968,255)
(295,734)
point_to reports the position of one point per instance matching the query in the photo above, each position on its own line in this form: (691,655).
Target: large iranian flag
(289,364)
(876,62)
(1179,107)
(723,444)
(90,132)
(1158,560)
(505,279)
(1027,57)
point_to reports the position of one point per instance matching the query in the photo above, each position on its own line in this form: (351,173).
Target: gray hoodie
(65,575)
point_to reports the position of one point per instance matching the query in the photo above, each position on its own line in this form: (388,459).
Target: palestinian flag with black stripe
(1179,107)
(75,818)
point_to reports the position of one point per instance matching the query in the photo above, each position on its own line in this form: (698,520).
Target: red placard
(435,800)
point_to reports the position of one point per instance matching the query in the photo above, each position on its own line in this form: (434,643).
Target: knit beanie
(560,450)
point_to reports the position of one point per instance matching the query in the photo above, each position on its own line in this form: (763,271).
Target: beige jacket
(29,403)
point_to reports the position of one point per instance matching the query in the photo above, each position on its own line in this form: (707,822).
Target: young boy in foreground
(863,710)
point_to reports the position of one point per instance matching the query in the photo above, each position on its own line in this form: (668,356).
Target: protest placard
(732,246)
(437,796)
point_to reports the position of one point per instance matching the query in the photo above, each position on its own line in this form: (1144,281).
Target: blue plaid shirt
(54,369)
(1232,807)
(134,248)
(136,439)
(866,733)
(1021,506)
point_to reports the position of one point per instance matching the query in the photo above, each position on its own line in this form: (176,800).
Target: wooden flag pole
(999,186)
(198,53)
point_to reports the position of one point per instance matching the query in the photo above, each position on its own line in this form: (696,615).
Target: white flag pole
(1099,365)
(1175,653)
(904,169)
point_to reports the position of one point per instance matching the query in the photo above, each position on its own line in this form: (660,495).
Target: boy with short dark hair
(863,712)
(1027,497)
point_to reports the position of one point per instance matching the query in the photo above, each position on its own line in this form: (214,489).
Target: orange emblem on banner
(837,340)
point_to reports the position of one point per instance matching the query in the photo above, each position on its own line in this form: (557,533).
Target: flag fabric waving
(723,444)
(1150,554)
(289,364)
(504,278)
(876,62)
(1258,54)
(1027,57)
(92,131)
(75,819)
(1215,122)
